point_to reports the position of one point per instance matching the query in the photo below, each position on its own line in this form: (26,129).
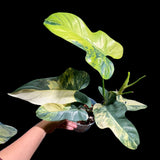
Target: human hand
(50,126)
(66,124)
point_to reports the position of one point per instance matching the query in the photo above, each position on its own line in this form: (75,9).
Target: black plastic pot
(83,127)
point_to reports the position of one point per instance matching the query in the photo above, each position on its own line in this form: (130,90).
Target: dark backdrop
(29,51)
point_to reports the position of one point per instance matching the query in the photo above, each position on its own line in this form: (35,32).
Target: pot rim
(79,124)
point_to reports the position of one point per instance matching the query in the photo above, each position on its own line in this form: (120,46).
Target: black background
(29,51)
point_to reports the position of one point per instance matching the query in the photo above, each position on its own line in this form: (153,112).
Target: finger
(69,125)
(69,128)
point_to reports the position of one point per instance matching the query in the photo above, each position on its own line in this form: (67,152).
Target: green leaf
(131,105)
(113,116)
(6,132)
(82,98)
(62,89)
(56,112)
(98,44)
(110,96)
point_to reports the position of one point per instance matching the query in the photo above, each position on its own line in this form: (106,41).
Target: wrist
(47,126)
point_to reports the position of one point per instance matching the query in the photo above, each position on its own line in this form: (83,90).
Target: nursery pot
(83,127)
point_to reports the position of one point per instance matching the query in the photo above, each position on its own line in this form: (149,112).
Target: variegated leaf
(131,105)
(113,116)
(40,97)
(98,45)
(56,112)
(6,132)
(62,89)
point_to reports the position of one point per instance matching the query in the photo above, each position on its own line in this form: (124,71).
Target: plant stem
(126,85)
(127,92)
(136,81)
(103,87)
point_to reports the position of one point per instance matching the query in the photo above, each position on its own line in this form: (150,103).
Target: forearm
(25,146)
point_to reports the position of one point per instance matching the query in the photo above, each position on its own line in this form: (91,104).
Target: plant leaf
(98,44)
(113,116)
(110,96)
(62,89)
(131,105)
(40,97)
(6,132)
(73,79)
(57,112)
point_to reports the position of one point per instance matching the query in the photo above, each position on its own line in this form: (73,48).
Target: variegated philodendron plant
(61,97)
